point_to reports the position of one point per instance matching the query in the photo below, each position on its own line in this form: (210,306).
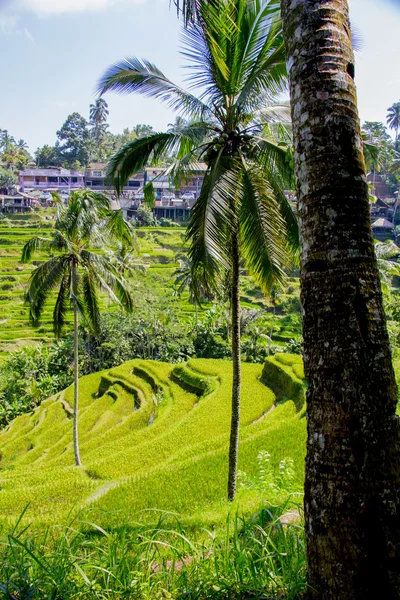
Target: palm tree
(236,57)
(22,145)
(98,112)
(76,271)
(393,120)
(6,140)
(14,156)
(352,479)
(98,117)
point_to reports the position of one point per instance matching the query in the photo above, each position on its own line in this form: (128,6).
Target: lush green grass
(258,557)
(157,251)
(153,437)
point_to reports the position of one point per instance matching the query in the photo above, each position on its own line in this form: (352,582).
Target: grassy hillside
(154,436)
(157,248)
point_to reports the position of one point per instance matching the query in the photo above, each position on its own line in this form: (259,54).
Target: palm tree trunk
(235,419)
(352,487)
(76,387)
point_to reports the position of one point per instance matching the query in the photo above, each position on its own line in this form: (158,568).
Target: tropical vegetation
(236,55)
(76,271)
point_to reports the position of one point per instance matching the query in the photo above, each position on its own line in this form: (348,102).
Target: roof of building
(54,172)
(383,223)
(96,165)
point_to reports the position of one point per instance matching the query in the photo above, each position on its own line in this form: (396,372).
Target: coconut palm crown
(236,62)
(393,120)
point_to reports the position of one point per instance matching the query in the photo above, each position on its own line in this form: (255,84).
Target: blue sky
(53,52)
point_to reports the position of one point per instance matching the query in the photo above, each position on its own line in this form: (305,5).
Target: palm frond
(91,303)
(209,229)
(62,305)
(149,196)
(33,246)
(138,154)
(262,230)
(108,278)
(141,76)
(42,282)
(118,229)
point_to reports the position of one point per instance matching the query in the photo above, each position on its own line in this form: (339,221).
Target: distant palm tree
(77,271)
(14,156)
(237,59)
(180,123)
(187,279)
(393,120)
(22,145)
(6,140)
(98,111)
(98,117)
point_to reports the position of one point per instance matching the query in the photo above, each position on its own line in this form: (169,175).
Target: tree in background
(48,156)
(6,140)
(393,120)
(237,59)
(101,140)
(76,271)
(352,486)
(75,136)
(8,179)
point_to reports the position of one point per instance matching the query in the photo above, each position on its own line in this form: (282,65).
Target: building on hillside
(380,187)
(382,229)
(55,179)
(17,203)
(381,209)
(95,178)
(175,201)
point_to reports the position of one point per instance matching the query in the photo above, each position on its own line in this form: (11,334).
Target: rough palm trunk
(352,487)
(236,379)
(76,388)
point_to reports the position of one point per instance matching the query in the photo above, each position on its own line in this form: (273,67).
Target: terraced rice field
(153,436)
(157,254)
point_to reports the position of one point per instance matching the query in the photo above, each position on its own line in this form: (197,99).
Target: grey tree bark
(236,366)
(352,488)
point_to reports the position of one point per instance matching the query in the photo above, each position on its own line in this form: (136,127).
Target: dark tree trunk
(235,421)
(352,489)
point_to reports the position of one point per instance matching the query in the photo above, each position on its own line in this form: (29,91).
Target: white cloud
(9,25)
(48,7)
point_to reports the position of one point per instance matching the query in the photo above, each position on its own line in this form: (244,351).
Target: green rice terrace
(152,285)
(154,436)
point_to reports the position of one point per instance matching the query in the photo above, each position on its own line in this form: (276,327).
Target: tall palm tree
(77,271)
(393,120)
(237,60)
(352,479)
(98,112)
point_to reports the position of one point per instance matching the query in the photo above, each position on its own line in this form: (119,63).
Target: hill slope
(153,436)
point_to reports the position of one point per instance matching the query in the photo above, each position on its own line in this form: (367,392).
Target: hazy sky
(53,51)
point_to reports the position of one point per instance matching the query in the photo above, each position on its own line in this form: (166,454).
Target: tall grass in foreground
(256,558)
